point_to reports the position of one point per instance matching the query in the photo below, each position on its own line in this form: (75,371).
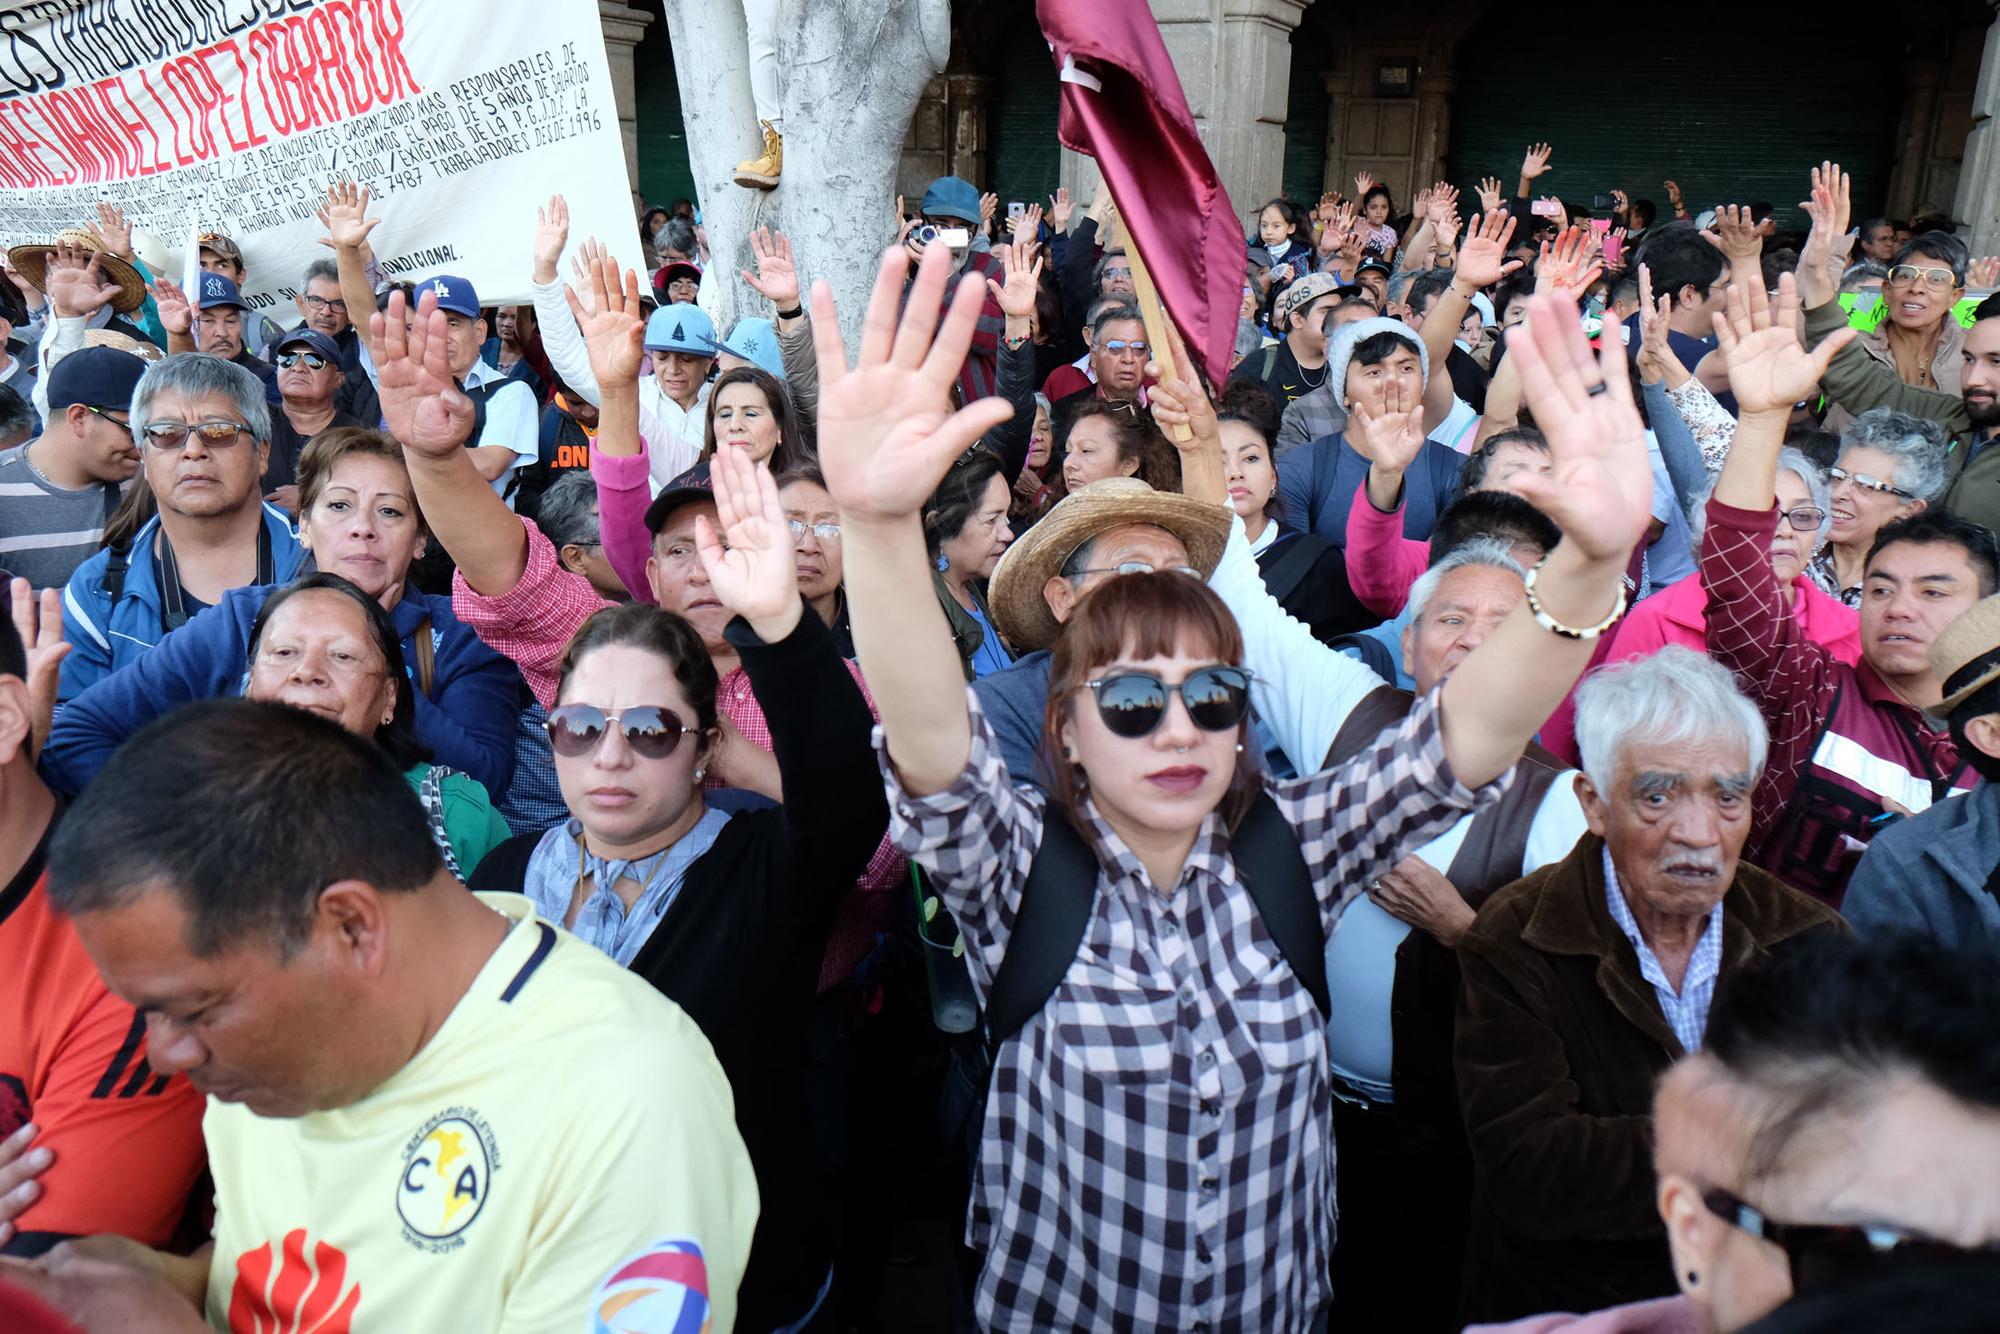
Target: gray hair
(1916,443)
(1789,460)
(320,268)
(1123,308)
(1672,695)
(1488,551)
(1865,271)
(1103,263)
(678,236)
(565,516)
(199,375)
(1043,405)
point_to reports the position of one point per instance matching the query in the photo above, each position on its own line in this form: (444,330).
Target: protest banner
(234,115)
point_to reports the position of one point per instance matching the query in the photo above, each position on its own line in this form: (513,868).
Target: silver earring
(697,775)
(1239,748)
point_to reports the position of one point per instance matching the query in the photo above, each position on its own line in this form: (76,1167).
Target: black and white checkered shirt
(1158,1143)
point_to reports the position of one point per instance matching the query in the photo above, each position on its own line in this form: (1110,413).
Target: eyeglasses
(653,733)
(214,435)
(1118,273)
(325,303)
(125,426)
(1133,703)
(313,360)
(1118,347)
(825,532)
(1822,1256)
(1806,518)
(1938,280)
(1133,567)
(1867,483)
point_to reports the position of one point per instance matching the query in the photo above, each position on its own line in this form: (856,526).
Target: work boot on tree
(761,172)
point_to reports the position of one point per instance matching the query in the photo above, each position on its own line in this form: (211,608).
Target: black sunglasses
(653,733)
(1133,703)
(314,361)
(1825,1255)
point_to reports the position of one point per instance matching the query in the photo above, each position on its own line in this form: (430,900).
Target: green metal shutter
(1306,111)
(1023,158)
(1715,97)
(664,172)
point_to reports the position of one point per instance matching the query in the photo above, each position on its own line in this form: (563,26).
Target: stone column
(1246,136)
(623,27)
(1978,202)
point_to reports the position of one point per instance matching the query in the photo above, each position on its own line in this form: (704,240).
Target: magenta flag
(1122,104)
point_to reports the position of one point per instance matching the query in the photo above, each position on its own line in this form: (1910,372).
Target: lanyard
(661,862)
(173,605)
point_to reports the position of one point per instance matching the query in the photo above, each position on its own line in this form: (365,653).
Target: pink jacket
(1663,1315)
(1382,564)
(1677,615)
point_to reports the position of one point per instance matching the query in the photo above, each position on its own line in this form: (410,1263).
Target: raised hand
(613,329)
(1178,400)
(1600,486)
(1027,225)
(176,314)
(1769,369)
(1674,197)
(112,230)
(1363,183)
(1561,217)
(1444,203)
(1445,228)
(1389,440)
(1489,194)
(1482,260)
(39,623)
(1569,263)
(421,402)
(551,236)
(750,564)
(1735,233)
(777,277)
(1535,161)
(1656,356)
(1983,272)
(989,203)
(345,216)
(1024,275)
(1061,208)
(75,281)
(1819,268)
(886,428)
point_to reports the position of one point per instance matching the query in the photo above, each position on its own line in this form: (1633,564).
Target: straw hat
(1022,615)
(138,347)
(1960,645)
(33,263)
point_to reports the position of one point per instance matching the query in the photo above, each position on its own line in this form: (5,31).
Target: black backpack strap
(1048,928)
(1274,872)
(115,567)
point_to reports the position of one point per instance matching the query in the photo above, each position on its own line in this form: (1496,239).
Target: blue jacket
(104,636)
(1317,482)
(468,720)
(1933,874)
(1015,701)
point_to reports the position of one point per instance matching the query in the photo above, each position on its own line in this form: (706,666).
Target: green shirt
(472,827)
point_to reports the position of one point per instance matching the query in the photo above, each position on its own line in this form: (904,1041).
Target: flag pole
(1154,316)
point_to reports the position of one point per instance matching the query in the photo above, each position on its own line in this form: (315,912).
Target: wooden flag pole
(1155,318)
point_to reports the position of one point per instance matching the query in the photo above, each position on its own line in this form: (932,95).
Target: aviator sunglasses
(653,733)
(1133,703)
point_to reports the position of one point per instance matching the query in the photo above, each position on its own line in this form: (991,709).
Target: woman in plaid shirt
(1157,1146)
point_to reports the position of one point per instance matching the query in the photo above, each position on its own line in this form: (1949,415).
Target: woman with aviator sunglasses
(1841,1123)
(1155,1151)
(728,915)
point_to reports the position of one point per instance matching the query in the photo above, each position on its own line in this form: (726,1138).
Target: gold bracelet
(1553,626)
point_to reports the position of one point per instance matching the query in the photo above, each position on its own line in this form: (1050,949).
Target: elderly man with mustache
(1586,979)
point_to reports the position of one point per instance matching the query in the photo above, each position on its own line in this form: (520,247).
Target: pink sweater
(1382,564)
(1663,1315)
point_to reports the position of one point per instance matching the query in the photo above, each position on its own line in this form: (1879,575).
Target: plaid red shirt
(533,623)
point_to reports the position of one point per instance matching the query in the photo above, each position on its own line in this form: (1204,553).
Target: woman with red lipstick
(358,519)
(1156,1147)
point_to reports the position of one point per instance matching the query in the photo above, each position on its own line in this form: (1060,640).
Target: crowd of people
(1474,814)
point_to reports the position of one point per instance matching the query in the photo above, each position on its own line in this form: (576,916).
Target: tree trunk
(851,72)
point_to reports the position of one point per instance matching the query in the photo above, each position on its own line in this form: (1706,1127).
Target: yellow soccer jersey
(561,1156)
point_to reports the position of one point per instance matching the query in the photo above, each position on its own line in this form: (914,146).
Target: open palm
(345,216)
(1390,440)
(886,428)
(421,402)
(1600,487)
(612,327)
(1769,370)
(1482,260)
(750,564)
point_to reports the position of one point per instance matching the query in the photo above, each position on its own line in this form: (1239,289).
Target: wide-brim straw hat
(1974,635)
(1022,615)
(33,263)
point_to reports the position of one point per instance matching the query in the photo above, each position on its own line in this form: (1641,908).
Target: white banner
(234,115)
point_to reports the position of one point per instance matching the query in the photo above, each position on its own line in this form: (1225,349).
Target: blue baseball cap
(950,197)
(313,339)
(681,328)
(755,341)
(219,290)
(453,294)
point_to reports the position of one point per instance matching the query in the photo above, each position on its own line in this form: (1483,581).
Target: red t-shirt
(127,1141)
